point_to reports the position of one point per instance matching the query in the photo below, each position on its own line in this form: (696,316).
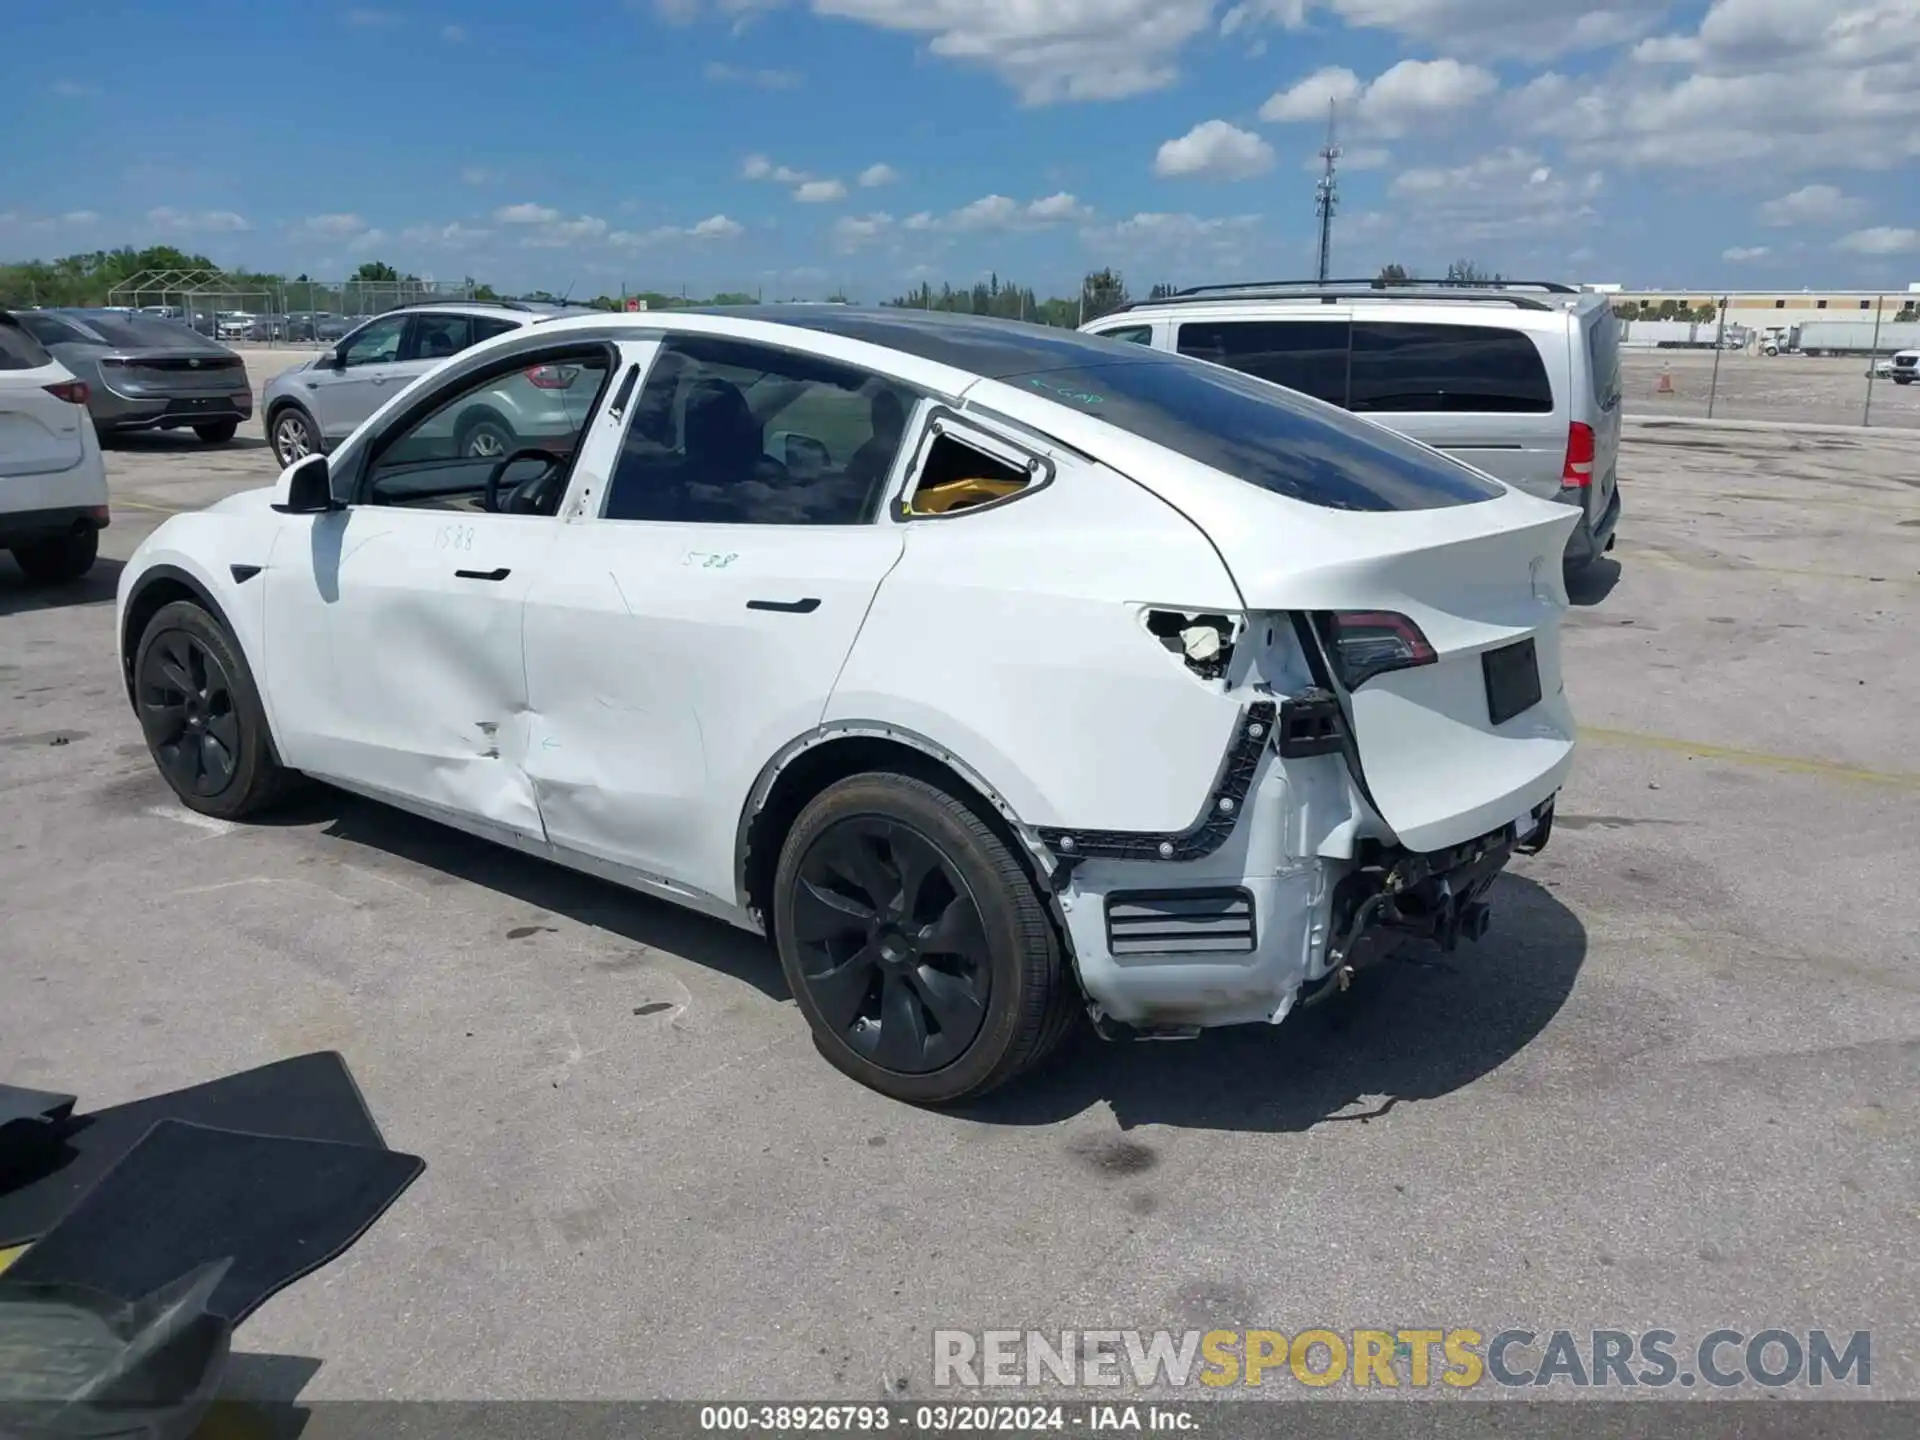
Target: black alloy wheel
(892,946)
(188,712)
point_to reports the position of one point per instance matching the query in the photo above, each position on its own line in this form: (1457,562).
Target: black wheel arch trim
(783,758)
(129,642)
(1226,800)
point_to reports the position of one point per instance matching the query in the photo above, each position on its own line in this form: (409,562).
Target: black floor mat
(187,1195)
(311,1097)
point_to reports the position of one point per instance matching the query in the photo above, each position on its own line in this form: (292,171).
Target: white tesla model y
(1002,675)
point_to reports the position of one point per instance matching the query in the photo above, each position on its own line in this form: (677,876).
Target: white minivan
(1520,380)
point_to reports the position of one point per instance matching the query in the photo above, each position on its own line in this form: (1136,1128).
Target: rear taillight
(553,377)
(74,392)
(1578,471)
(1365,643)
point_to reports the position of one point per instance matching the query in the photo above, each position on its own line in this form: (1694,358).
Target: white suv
(313,407)
(1519,379)
(53,486)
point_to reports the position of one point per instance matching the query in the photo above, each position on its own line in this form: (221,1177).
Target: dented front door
(394,655)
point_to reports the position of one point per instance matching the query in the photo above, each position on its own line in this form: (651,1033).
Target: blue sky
(797,146)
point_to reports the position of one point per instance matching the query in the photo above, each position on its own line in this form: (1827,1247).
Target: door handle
(499,574)
(787,607)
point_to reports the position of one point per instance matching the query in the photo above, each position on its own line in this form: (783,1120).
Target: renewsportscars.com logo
(1458,1358)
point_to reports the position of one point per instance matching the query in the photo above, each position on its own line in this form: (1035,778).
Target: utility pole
(1326,194)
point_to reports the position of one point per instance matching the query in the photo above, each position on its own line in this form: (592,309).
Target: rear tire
(60,559)
(1903,379)
(485,438)
(217,432)
(201,715)
(932,991)
(293,435)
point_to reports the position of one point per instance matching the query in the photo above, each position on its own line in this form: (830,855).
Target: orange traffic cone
(1664,385)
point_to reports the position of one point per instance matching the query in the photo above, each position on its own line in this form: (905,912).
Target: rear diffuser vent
(1179,922)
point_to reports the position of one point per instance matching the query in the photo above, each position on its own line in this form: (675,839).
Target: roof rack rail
(1502,292)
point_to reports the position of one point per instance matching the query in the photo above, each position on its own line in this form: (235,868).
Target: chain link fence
(1773,365)
(313,312)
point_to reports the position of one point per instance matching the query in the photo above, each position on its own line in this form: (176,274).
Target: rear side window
(1132,334)
(435,337)
(1399,367)
(51,329)
(485,327)
(18,349)
(1304,355)
(1603,355)
(1264,435)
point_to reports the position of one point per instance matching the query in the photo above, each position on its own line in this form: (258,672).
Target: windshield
(1265,435)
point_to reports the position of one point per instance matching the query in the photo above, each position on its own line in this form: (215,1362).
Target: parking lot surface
(1801,389)
(1675,1086)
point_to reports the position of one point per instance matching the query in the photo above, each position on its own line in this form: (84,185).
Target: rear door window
(18,349)
(435,337)
(485,327)
(1305,355)
(1132,334)
(1603,355)
(1263,435)
(1400,367)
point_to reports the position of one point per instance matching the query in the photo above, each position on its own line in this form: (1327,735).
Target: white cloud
(997,212)
(1532,29)
(1881,240)
(853,232)
(1812,205)
(1214,150)
(759,167)
(201,222)
(453,34)
(877,175)
(1064,50)
(1741,254)
(820,192)
(328,227)
(367,240)
(716,227)
(1507,193)
(723,74)
(558,234)
(1413,95)
(1765,86)
(1173,242)
(452,236)
(368,19)
(74,90)
(526,213)
(480,175)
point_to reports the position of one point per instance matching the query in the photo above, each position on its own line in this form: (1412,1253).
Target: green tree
(1468,272)
(1393,274)
(1102,293)
(376,272)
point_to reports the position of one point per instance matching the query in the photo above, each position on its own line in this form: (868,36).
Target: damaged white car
(1001,675)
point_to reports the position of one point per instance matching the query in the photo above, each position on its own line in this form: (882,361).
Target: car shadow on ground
(171,442)
(19,594)
(258,1398)
(1594,583)
(1416,1028)
(538,883)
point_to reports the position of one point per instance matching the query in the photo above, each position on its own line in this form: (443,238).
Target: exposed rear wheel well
(813,770)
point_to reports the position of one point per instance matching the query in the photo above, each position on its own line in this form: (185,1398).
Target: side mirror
(802,454)
(305,488)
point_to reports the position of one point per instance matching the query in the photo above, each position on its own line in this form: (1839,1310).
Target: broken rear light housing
(1364,643)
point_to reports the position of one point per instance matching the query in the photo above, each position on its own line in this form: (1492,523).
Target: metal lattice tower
(1326,193)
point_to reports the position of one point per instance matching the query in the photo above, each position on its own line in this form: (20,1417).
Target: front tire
(915,943)
(217,432)
(201,715)
(60,559)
